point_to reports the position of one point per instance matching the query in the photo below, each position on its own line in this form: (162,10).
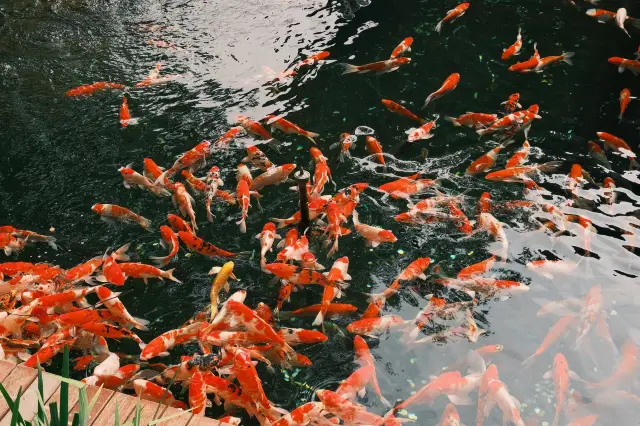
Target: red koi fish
(111,212)
(625,99)
(312,59)
(375,148)
(512,103)
(422,132)
(125,115)
(487,160)
(407,186)
(519,157)
(548,60)
(528,65)
(399,109)
(601,15)
(152,392)
(626,64)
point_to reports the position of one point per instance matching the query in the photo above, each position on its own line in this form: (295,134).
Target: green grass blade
(117,414)
(136,418)
(64,390)
(16,417)
(41,415)
(76,420)
(55,419)
(83,408)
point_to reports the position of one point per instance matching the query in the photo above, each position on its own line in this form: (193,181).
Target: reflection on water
(61,156)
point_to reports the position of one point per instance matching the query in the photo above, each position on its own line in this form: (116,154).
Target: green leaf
(83,405)
(76,420)
(53,409)
(136,418)
(41,416)
(63,418)
(117,414)
(16,417)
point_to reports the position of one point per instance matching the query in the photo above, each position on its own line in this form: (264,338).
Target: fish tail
(319,318)
(550,166)
(160,260)
(243,225)
(439,27)
(121,253)
(349,69)
(51,241)
(160,180)
(453,120)
(634,164)
(529,361)
(426,101)
(140,324)
(169,275)
(214,311)
(620,117)
(310,136)
(145,223)
(566,57)
(209,214)
(280,223)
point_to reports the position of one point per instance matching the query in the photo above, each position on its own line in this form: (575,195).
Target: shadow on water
(59,156)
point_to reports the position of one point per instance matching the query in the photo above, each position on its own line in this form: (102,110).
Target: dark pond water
(59,156)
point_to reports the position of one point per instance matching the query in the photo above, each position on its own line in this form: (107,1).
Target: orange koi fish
(625,99)
(558,330)
(449,85)
(346,141)
(399,109)
(528,65)
(373,235)
(617,144)
(453,14)
(626,64)
(514,49)
(601,15)
(473,120)
(517,174)
(254,128)
(312,59)
(512,103)
(171,239)
(90,89)
(519,157)
(289,128)
(110,212)
(403,47)
(407,186)
(125,115)
(273,176)
(111,332)
(487,160)
(140,270)
(375,148)
(152,392)
(379,67)
(203,247)
(422,132)
(548,60)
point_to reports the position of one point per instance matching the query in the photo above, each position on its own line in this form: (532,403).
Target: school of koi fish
(46,307)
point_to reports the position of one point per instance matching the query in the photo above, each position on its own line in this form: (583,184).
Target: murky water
(59,156)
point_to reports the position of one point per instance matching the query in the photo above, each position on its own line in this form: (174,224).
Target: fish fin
(141,324)
(214,270)
(453,120)
(362,392)
(460,399)
(439,27)
(311,136)
(101,278)
(566,57)
(169,275)
(349,69)
(145,280)
(319,319)
(620,69)
(547,375)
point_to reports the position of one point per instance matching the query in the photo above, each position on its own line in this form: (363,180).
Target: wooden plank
(6,367)
(29,401)
(198,420)
(149,408)
(102,401)
(20,377)
(125,403)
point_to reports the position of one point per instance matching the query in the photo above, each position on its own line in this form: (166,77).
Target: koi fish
(514,49)
(254,128)
(110,268)
(548,60)
(380,67)
(374,327)
(625,99)
(403,47)
(111,331)
(407,186)
(625,369)
(473,120)
(560,376)
(257,158)
(302,415)
(449,85)
(487,160)
(90,89)
(312,59)
(528,65)
(267,238)
(161,345)
(422,132)
(221,280)
(334,309)
(601,15)
(511,104)
(375,148)
(125,115)
(183,201)
(517,174)
(193,159)
(498,394)
(558,330)
(373,235)
(617,144)
(520,156)
(229,135)
(131,177)
(626,64)
(140,270)
(621,17)
(212,182)
(453,14)
(203,247)
(179,224)
(346,141)
(349,412)
(399,109)
(111,212)
(152,392)
(273,176)
(289,128)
